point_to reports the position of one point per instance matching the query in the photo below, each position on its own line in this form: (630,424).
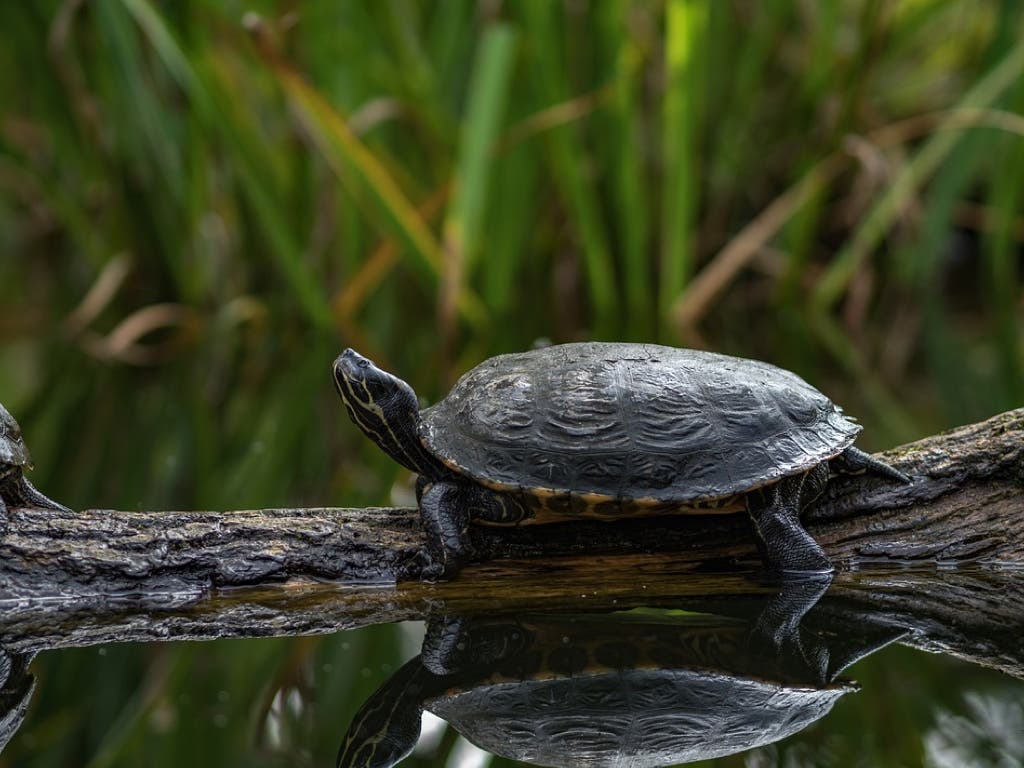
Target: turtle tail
(24,494)
(854,461)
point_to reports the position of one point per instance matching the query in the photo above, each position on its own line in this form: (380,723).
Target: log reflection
(790,637)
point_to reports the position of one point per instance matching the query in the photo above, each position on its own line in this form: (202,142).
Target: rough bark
(964,506)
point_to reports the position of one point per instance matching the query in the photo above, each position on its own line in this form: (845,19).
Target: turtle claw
(433,571)
(439,567)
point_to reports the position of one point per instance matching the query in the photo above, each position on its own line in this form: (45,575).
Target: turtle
(615,689)
(17,685)
(611,431)
(15,489)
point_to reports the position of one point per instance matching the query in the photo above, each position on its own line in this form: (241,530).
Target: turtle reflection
(622,689)
(16,687)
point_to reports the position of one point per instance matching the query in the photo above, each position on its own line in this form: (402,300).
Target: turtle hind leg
(777,632)
(854,461)
(786,547)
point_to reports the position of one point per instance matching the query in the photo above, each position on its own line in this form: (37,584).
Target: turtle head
(8,426)
(386,728)
(372,393)
(385,408)
(12,447)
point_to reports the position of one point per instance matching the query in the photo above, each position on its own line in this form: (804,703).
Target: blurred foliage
(201,203)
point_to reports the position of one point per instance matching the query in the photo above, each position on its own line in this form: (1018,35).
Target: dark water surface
(876,669)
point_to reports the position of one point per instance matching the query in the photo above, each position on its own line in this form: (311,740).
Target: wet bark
(965,505)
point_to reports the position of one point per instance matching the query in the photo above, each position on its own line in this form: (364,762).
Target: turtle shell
(614,691)
(632,421)
(13,451)
(635,718)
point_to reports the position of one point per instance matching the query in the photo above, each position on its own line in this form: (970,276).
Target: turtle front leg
(455,644)
(785,546)
(444,511)
(447,508)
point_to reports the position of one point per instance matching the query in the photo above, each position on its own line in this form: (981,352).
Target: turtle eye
(364,363)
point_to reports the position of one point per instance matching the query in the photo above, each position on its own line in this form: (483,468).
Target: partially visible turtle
(614,690)
(15,489)
(16,687)
(611,431)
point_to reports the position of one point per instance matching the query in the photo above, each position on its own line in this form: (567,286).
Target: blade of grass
(374,269)
(150,133)
(626,161)
(510,216)
(352,161)
(569,159)
(420,81)
(1000,248)
(450,40)
(263,189)
(686,23)
(485,108)
(693,303)
(134,93)
(924,262)
(488,95)
(261,194)
(549,118)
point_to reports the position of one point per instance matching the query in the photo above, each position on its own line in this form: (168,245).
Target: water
(883,668)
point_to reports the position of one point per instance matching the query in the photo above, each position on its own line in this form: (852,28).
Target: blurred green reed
(201,203)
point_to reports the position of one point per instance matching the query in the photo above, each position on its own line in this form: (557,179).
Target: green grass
(834,187)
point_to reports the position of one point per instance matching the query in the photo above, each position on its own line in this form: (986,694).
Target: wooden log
(964,506)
